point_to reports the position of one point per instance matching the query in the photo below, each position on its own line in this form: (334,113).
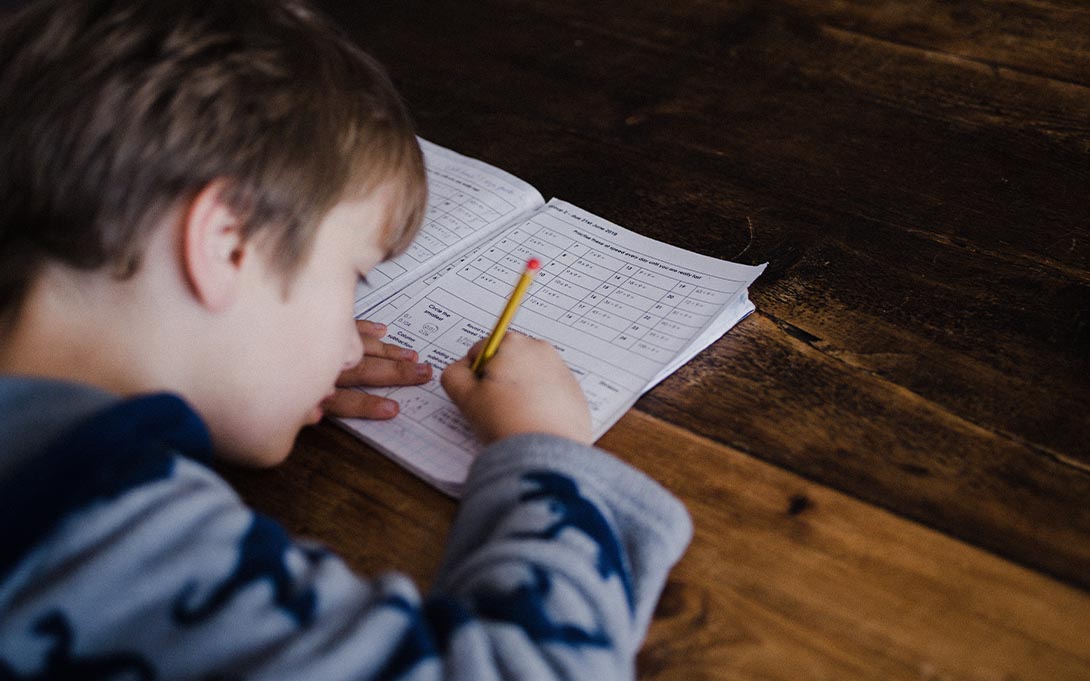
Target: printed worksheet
(467,201)
(623,310)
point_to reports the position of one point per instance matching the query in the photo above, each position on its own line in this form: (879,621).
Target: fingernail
(388,408)
(408,354)
(423,370)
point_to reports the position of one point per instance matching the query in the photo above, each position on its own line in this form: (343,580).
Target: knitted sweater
(124,556)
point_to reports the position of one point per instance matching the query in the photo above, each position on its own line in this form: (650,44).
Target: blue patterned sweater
(124,556)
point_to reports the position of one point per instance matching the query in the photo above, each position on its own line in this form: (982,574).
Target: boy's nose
(354,353)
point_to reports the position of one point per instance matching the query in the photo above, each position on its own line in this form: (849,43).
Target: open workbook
(625,311)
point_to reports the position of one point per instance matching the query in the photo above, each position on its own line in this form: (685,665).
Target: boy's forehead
(369,219)
(396,198)
(385,203)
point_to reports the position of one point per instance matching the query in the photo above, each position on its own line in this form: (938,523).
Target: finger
(373,347)
(378,371)
(356,404)
(458,379)
(369,328)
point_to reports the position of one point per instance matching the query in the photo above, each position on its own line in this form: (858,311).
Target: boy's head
(114,112)
(117,115)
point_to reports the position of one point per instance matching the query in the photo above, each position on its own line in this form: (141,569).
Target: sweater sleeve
(554,564)
(567,548)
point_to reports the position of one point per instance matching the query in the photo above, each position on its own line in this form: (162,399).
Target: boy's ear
(212,248)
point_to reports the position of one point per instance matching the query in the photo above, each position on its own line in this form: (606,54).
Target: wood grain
(787,579)
(889,463)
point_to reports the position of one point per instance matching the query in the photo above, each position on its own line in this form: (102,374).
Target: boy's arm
(556,559)
(562,550)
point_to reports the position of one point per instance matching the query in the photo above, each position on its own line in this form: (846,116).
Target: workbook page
(467,201)
(621,309)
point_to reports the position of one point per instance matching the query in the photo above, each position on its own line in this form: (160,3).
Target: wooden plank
(810,114)
(769,393)
(775,101)
(1047,39)
(785,578)
(1050,38)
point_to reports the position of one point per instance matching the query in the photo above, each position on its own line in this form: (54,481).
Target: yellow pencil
(532,266)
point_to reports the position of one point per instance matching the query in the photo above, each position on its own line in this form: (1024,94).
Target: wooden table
(888,465)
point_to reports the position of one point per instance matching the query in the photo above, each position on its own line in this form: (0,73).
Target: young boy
(188,194)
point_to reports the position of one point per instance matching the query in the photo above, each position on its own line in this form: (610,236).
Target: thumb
(458,378)
(471,355)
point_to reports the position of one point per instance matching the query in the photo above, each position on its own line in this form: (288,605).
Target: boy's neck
(93,329)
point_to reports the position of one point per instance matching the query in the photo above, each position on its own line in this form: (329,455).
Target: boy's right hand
(526,388)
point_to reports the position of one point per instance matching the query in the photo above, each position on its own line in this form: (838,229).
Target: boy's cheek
(254,445)
(269,458)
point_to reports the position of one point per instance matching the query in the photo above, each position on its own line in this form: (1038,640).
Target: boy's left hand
(383,364)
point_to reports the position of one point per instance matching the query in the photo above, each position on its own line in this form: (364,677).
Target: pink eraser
(533,264)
